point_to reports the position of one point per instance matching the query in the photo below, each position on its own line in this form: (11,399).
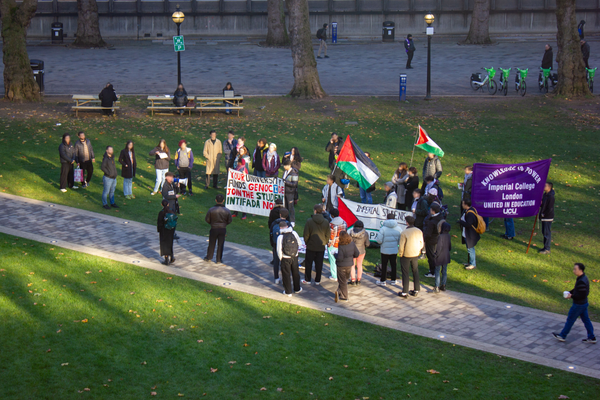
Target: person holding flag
(432,165)
(354,162)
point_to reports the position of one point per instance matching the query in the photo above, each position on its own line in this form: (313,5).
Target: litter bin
(37,66)
(57,32)
(388,33)
(334,32)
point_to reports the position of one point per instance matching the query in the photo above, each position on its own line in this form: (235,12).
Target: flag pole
(413,149)
(532,230)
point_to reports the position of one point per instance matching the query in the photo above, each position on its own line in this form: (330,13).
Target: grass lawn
(73,323)
(490,130)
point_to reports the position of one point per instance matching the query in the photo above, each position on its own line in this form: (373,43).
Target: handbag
(78,175)
(191,104)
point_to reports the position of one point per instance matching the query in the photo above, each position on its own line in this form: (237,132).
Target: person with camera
(169,192)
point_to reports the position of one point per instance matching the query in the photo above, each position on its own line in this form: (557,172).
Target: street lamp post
(429,18)
(178,18)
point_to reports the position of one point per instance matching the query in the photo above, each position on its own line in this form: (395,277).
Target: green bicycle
(544,75)
(477,82)
(504,80)
(520,85)
(590,78)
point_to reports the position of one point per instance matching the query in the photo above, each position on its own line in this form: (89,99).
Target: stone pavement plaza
(504,329)
(354,67)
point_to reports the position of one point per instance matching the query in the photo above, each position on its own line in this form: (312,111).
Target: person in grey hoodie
(361,238)
(389,239)
(431,167)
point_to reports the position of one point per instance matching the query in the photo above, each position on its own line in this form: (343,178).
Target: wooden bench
(215,103)
(89,102)
(165,103)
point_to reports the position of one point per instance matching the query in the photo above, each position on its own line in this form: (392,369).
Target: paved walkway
(466,320)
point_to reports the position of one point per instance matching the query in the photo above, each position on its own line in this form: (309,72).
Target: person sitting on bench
(107,96)
(180,98)
(228,92)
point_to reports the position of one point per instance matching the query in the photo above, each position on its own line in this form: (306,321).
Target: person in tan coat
(411,245)
(213,150)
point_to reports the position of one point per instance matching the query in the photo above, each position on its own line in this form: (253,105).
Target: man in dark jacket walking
(66,151)
(470,237)
(218,217)
(109,179)
(84,156)
(579,294)
(334,146)
(316,236)
(290,177)
(107,96)
(585,51)
(431,234)
(547,216)
(409,46)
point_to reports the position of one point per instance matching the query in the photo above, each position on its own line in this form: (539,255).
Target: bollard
(334,32)
(402,87)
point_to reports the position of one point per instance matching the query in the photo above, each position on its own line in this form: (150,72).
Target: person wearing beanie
(391,198)
(184,162)
(431,233)
(442,257)
(409,46)
(361,238)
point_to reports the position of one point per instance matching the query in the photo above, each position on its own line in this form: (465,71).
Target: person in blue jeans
(509,226)
(109,179)
(579,294)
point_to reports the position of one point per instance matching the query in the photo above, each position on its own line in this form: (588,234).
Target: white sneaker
(318,283)
(332,278)
(293,224)
(380,283)
(277,281)
(299,291)
(305,282)
(63,190)
(429,275)
(285,294)
(152,194)
(75,187)
(394,282)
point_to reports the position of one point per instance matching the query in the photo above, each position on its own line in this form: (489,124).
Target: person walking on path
(337,225)
(275,232)
(169,193)
(579,309)
(322,36)
(547,216)
(230,149)
(333,147)
(290,177)
(411,184)
(107,97)
(470,237)
(409,250)
(184,162)
(109,179)
(257,158)
(167,221)
(316,236)
(331,191)
(391,199)
(66,152)
(128,167)
(585,51)
(218,217)
(410,48)
(162,156)
(271,162)
(399,178)
(442,258)
(431,234)
(431,167)
(389,239)
(347,253)
(360,237)
(213,149)
(580,29)
(84,155)
(288,243)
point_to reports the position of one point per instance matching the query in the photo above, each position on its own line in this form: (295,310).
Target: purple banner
(509,190)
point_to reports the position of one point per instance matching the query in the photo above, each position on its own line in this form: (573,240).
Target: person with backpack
(288,243)
(290,177)
(347,253)
(316,236)
(471,224)
(391,198)
(166,225)
(442,258)
(218,217)
(431,234)
(337,225)
(360,237)
(275,232)
(388,238)
(322,36)
(409,251)
(409,46)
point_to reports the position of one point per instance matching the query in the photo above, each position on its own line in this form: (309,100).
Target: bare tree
(277,34)
(306,75)
(18,78)
(479,32)
(572,80)
(88,25)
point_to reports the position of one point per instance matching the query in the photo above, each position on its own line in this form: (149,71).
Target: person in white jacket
(331,191)
(391,198)
(287,251)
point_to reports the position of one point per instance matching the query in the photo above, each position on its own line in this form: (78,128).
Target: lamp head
(178,16)
(429,18)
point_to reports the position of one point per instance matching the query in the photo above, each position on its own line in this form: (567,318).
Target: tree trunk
(18,78)
(572,81)
(88,27)
(479,32)
(277,32)
(306,75)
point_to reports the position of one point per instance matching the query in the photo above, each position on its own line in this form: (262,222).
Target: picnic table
(165,103)
(89,102)
(215,103)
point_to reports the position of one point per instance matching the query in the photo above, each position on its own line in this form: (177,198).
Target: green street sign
(178,43)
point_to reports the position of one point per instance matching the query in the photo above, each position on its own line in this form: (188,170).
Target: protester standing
(294,156)
(275,232)
(162,156)
(290,177)
(388,238)
(271,162)
(467,184)
(391,199)
(409,250)
(420,208)
(66,152)
(331,191)
(509,229)
(442,258)
(322,36)
(336,226)
(107,97)
(470,237)
(169,193)
(166,231)
(288,243)
(218,217)
(411,184)
(273,215)
(399,178)
(257,157)
(360,237)
(347,253)
(431,167)
(230,149)
(213,149)
(109,179)
(128,167)
(431,234)
(409,46)
(333,147)
(184,162)
(84,155)
(316,236)
(546,215)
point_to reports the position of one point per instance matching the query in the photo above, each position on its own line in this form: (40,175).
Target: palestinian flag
(426,143)
(357,165)
(345,213)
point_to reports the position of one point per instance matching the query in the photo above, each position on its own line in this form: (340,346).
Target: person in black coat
(411,184)
(585,51)
(107,97)
(470,237)
(410,48)
(180,98)
(334,146)
(548,58)
(546,216)
(218,217)
(166,235)
(128,167)
(431,234)
(66,151)
(347,252)
(290,177)
(442,258)
(169,193)
(580,29)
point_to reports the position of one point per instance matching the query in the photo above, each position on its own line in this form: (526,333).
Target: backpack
(480,228)
(320,34)
(439,225)
(170,221)
(289,245)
